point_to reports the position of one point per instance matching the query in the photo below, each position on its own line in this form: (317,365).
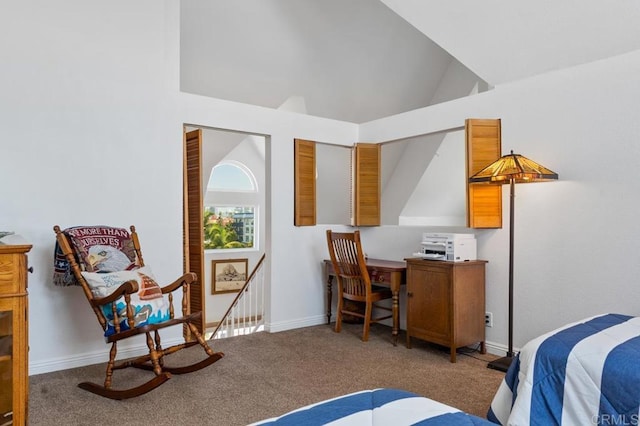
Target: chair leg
(367,322)
(159,347)
(212,356)
(154,355)
(112,358)
(338,327)
(108,392)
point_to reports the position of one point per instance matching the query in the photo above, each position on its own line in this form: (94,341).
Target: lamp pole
(503,363)
(512,196)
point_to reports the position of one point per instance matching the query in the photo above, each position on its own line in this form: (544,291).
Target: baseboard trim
(275,327)
(99,357)
(498,349)
(90,358)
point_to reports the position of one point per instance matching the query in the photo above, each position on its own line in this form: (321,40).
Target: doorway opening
(225,219)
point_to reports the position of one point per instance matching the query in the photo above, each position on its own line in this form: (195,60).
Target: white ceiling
(351,60)
(506,40)
(359,60)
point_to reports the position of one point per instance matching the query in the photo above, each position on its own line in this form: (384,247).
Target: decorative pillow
(149,305)
(102,248)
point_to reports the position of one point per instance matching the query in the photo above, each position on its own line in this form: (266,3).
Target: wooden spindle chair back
(354,282)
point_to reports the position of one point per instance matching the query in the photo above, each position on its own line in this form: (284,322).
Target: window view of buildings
(228,227)
(226,224)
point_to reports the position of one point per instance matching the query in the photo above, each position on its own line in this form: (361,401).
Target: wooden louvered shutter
(484,146)
(366,185)
(304,183)
(194,238)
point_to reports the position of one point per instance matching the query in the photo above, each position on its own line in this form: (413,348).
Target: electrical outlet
(488,319)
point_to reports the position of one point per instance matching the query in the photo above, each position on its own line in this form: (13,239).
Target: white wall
(333,183)
(89,136)
(91,133)
(576,240)
(583,124)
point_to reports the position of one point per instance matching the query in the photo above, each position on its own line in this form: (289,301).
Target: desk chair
(353,278)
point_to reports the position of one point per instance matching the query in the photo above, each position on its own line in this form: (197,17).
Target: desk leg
(395,306)
(329,281)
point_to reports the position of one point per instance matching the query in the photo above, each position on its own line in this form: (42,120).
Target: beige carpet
(265,375)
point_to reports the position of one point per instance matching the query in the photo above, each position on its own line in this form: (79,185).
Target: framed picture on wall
(228,275)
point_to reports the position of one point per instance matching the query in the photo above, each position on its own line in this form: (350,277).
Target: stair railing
(245,314)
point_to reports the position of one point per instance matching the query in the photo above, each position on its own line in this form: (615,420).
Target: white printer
(448,246)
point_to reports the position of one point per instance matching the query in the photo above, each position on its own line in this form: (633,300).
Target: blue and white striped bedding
(379,407)
(586,373)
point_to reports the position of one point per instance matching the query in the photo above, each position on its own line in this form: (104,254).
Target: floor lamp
(511,168)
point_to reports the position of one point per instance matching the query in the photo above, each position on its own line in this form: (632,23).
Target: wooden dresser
(446,303)
(14,341)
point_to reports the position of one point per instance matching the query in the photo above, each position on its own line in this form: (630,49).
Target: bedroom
(87,109)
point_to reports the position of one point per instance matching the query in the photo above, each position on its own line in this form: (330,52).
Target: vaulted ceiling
(359,60)
(503,40)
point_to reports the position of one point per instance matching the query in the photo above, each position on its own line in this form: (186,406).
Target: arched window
(231,176)
(230,208)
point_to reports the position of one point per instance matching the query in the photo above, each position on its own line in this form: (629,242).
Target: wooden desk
(389,273)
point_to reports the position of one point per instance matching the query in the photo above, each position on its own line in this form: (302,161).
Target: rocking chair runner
(118,315)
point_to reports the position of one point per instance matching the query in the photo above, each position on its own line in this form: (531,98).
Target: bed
(586,373)
(380,407)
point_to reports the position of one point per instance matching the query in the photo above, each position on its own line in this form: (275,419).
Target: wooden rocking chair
(117,311)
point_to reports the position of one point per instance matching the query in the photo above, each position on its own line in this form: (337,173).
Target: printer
(447,246)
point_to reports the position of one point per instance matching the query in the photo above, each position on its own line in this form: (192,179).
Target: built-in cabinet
(446,303)
(14,372)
